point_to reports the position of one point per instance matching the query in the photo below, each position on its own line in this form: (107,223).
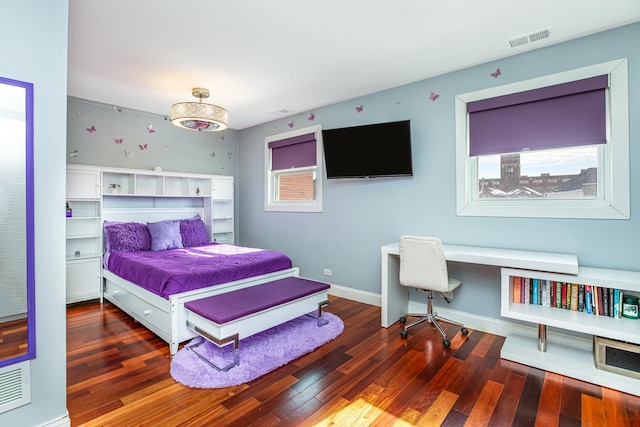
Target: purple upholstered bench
(235,315)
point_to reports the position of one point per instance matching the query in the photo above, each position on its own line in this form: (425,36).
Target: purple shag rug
(259,354)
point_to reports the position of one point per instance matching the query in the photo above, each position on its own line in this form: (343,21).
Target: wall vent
(15,386)
(526,39)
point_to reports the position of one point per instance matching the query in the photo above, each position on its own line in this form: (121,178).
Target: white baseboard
(60,422)
(356,295)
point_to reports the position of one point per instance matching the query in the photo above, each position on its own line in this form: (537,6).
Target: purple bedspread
(179,270)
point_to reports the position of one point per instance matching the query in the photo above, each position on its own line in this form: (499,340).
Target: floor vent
(15,386)
(526,39)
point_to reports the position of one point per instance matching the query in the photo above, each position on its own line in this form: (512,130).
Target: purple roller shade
(566,115)
(296,152)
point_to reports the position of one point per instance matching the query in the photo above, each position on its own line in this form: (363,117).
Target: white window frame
(270,204)
(613,168)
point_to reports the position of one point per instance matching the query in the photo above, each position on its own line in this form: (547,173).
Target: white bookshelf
(572,358)
(83,234)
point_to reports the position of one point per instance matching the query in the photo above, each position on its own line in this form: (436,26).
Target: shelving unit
(83,234)
(131,182)
(222,224)
(573,358)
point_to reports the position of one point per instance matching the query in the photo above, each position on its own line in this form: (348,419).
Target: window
(556,146)
(293,167)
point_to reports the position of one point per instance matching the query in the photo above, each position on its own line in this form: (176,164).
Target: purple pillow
(127,237)
(193,232)
(165,235)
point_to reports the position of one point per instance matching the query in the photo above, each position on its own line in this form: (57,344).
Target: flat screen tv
(369,151)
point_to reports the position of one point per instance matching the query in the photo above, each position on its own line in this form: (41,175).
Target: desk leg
(542,338)
(395,297)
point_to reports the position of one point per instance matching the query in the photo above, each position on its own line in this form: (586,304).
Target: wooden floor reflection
(13,339)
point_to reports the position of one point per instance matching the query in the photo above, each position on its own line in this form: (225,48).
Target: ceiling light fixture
(198,115)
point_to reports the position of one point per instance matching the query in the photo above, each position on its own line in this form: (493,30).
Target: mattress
(172,271)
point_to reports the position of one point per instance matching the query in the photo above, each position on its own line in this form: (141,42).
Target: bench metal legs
(321,320)
(220,343)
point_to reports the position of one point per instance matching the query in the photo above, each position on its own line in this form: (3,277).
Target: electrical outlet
(327,272)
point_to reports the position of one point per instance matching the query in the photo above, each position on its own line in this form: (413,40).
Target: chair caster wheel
(403,320)
(446,343)
(464,331)
(404,334)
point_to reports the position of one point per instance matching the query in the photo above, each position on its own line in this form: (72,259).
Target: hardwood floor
(118,375)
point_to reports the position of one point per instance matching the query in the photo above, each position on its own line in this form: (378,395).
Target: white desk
(395,298)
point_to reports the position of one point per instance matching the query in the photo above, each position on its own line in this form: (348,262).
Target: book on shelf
(588,300)
(517,288)
(527,290)
(605,301)
(573,306)
(599,301)
(535,291)
(580,297)
(546,298)
(616,303)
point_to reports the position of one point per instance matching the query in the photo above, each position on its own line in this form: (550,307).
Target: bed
(155,293)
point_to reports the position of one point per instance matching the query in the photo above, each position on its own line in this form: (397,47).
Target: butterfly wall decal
(359,109)
(497,73)
(142,146)
(290,124)
(92,129)
(118,140)
(311,117)
(129,154)
(150,129)
(433,96)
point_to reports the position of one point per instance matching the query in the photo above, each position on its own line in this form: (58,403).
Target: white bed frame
(166,318)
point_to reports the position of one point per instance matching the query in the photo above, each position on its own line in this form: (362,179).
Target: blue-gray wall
(134,139)
(360,216)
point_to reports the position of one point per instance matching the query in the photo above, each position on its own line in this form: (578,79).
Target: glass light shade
(199,116)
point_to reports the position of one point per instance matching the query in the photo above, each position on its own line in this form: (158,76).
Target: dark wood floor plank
(118,375)
(528,406)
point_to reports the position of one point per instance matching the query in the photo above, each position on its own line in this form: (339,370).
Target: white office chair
(423,266)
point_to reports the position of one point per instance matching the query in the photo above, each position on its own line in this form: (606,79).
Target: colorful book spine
(517,289)
(588,301)
(565,296)
(580,297)
(600,301)
(527,290)
(559,294)
(574,297)
(535,291)
(611,302)
(605,301)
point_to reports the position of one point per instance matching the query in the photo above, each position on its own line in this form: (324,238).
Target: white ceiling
(257,57)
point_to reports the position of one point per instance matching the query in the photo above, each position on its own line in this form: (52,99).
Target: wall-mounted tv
(369,151)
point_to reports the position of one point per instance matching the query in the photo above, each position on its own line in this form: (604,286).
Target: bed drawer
(151,314)
(117,295)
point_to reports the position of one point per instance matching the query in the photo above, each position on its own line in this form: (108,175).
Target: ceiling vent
(526,39)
